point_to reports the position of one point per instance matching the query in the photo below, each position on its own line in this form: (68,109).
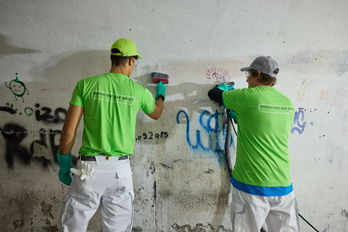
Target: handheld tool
(157,77)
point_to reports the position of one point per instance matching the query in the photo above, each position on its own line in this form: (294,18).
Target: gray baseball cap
(264,64)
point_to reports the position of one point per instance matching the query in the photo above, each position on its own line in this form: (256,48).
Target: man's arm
(68,135)
(156,114)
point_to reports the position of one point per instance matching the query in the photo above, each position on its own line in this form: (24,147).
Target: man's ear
(258,75)
(130,61)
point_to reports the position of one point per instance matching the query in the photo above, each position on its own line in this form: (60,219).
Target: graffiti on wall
(14,134)
(218,74)
(299,124)
(18,88)
(211,128)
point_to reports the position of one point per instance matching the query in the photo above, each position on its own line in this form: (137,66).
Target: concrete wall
(180,176)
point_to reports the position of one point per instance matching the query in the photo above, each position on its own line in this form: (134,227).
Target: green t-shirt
(111,102)
(265,117)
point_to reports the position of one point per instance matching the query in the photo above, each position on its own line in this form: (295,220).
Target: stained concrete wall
(180,176)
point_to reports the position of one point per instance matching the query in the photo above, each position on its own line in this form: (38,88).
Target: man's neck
(120,69)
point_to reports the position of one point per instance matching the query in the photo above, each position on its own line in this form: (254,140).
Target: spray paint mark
(299,124)
(213,133)
(18,88)
(218,74)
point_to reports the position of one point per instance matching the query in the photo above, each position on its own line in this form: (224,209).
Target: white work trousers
(249,212)
(111,187)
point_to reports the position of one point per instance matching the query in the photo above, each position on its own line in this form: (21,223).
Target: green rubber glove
(225,87)
(160,90)
(65,163)
(233,115)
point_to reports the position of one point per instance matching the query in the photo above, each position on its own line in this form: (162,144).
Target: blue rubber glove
(64,162)
(225,87)
(160,90)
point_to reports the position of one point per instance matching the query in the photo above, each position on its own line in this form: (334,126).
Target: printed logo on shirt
(267,108)
(111,97)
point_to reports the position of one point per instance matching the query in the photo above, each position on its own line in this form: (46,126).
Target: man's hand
(64,162)
(160,90)
(225,87)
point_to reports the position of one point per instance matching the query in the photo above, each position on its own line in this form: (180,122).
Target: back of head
(122,50)
(267,67)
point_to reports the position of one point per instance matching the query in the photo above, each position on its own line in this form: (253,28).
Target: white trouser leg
(111,185)
(283,216)
(249,212)
(117,207)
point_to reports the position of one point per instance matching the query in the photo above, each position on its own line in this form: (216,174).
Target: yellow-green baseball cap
(126,47)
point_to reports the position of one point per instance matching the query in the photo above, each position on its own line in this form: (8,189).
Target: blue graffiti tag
(213,133)
(299,122)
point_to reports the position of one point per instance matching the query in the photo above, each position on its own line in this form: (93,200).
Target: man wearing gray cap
(262,191)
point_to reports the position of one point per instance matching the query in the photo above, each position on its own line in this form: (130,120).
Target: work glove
(86,171)
(233,115)
(65,163)
(160,90)
(225,87)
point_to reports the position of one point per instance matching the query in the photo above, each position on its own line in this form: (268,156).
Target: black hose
(228,142)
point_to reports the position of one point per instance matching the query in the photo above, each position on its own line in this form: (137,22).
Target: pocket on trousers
(238,217)
(82,188)
(123,173)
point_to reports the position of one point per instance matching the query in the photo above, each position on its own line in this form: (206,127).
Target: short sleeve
(76,98)
(234,99)
(148,104)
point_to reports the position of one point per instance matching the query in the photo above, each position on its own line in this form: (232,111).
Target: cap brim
(245,69)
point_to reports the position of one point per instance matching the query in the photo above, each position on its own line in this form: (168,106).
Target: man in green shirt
(262,189)
(109,103)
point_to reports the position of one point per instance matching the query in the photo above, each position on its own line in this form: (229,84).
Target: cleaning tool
(160,77)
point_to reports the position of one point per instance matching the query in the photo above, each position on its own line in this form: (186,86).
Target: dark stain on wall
(137,229)
(46,209)
(18,224)
(199,227)
(49,228)
(344,213)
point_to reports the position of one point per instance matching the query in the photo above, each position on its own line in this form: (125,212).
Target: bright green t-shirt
(265,117)
(111,102)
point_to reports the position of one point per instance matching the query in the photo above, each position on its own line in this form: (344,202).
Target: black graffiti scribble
(7,109)
(47,118)
(14,134)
